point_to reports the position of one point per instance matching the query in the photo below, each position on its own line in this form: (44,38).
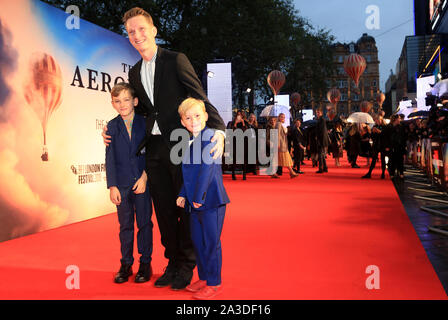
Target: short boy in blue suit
(127,182)
(203,195)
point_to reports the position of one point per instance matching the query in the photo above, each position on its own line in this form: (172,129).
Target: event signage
(55,100)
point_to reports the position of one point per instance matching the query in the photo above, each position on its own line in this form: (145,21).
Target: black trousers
(298,158)
(165,181)
(374,159)
(321,159)
(397,163)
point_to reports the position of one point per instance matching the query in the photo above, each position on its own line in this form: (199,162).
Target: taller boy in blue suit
(127,182)
(204,197)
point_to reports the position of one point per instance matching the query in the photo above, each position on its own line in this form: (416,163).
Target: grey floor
(435,243)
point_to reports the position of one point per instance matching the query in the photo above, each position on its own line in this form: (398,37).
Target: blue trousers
(206,227)
(140,206)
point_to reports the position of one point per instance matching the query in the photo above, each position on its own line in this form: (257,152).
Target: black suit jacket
(174,81)
(298,138)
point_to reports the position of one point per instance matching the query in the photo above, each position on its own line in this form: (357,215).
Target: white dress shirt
(147,75)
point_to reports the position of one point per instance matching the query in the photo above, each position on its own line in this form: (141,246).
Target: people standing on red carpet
(337,142)
(353,144)
(127,183)
(366,147)
(253,139)
(322,141)
(298,144)
(378,147)
(204,198)
(162,79)
(284,158)
(239,122)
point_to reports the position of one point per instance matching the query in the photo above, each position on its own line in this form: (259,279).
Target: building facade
(368,87)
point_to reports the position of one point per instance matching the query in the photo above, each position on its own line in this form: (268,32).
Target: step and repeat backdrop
(55,75)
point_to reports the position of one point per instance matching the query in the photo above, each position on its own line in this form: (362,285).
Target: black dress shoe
(233,177)
(167,278)
(144,273)
(382,176)
(319,171)
(367,176)
(123,274)
(181,280)
(355,166)
(325,170)
(300,172)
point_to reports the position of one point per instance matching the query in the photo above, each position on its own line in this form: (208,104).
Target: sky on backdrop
(346,21)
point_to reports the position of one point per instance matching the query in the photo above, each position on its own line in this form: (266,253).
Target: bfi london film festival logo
(249,146)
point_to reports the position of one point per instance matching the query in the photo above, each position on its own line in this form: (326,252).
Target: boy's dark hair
(115,92)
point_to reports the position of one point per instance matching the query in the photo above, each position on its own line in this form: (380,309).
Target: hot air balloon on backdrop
(380,99)
(276,80)
(43,90)
(354,66)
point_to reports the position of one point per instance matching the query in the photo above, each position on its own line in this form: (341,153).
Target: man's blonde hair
(188,103)
(134,12)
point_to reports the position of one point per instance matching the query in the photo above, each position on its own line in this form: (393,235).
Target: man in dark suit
(162,80)
(322,141)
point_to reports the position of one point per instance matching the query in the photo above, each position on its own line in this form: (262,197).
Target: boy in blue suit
(204,197)
(127,182)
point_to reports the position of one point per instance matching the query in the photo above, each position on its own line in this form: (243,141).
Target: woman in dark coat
(354,145)
(337,137)
(239,122)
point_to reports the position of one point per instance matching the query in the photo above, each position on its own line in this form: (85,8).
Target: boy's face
(194,119)
(124,103)
(141,33)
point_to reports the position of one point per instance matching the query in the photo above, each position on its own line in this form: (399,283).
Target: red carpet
(308,238)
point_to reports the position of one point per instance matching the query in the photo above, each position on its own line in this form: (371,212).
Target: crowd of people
(388,142)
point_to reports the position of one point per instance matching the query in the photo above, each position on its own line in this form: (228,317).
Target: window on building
(340,59)
(343,97)
(368,58)
(374,83)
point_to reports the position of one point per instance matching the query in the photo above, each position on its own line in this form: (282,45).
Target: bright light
(210,74)
(248,90)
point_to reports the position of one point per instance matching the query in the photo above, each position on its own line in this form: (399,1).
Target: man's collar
(153,59)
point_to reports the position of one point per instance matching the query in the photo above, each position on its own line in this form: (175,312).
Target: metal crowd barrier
(429,157)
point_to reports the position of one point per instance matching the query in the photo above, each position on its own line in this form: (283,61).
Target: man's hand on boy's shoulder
(218,149)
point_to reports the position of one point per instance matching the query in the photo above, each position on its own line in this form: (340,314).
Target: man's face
(124,103)
(194,119)
(318,114)
(298,124)
(142,34)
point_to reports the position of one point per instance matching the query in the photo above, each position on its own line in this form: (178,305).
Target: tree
(256,36)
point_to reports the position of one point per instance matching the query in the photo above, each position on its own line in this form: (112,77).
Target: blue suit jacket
(202,175)
(123,166)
